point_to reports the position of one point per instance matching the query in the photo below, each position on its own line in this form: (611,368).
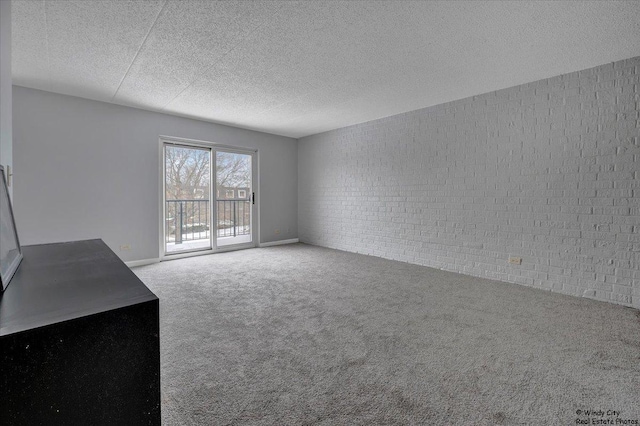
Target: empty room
(319,212)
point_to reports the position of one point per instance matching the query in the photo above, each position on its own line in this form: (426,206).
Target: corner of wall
(6,134)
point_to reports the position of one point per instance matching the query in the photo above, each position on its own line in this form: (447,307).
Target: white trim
(213,196)
(182,255)
(234,247)
(142,262)
(206,144)
(255,189)
(279,242)
(185,254)
(161,202)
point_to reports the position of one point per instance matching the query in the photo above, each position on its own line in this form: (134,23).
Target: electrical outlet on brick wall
(515,260)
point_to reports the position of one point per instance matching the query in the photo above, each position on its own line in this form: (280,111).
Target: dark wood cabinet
(79,340)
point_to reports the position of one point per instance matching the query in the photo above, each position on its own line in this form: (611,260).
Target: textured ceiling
(300,68)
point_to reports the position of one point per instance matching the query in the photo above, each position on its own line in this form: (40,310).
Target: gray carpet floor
(299,334)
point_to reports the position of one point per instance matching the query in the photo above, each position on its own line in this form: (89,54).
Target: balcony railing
(234,217)
(188,220)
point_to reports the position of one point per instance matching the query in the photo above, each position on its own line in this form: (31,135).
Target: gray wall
(6,144)
(87,169)
(548,171)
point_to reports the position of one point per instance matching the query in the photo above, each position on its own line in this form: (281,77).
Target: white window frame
(255,183)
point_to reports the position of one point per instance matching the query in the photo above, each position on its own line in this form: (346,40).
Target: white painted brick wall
(548,171)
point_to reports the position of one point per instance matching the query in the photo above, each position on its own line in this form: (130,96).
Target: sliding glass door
(187,187)
(209,201)
(234,198)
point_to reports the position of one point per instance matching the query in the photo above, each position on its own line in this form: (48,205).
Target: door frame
(255,186)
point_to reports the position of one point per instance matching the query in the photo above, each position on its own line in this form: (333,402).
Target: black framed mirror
(10,251)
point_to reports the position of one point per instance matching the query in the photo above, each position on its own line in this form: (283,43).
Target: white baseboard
(279,243)
(134,263)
